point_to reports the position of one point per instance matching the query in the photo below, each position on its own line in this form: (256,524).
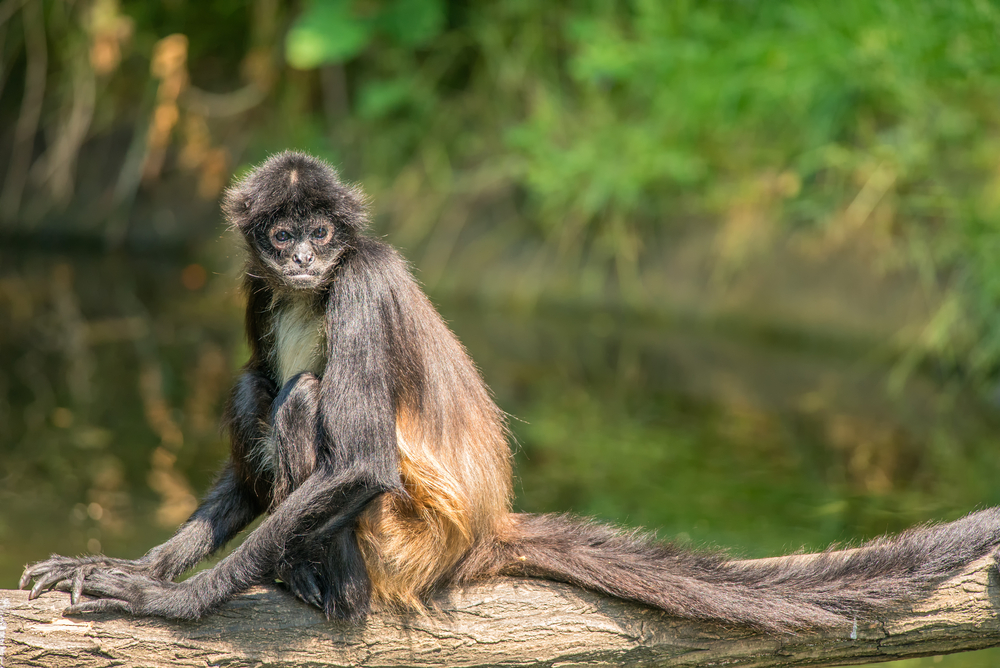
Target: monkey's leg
(327,497)
(227,508)
(295,436)
(324,568)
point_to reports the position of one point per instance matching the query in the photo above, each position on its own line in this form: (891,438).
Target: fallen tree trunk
(503,623)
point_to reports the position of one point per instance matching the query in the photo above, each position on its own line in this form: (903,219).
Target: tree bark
(506,622)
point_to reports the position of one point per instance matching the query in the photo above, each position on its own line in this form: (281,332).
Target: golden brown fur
(456,472)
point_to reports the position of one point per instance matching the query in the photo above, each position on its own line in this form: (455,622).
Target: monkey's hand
(121,591)
(70,573)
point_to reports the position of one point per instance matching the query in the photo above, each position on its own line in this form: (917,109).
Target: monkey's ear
(236,206)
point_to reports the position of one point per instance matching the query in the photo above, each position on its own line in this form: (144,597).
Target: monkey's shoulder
(374,261)
(372,275)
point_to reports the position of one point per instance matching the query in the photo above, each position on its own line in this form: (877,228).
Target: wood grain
(507,622)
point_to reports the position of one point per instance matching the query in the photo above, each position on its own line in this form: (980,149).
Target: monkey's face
(298,219)
(301,254)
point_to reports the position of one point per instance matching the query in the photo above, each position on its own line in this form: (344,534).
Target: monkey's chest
(299,342)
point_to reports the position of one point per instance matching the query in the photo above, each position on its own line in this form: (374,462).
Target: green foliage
(326,32)
(620,121)
(332,31)
(665,96)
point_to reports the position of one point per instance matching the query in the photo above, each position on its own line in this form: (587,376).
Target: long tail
(783,595)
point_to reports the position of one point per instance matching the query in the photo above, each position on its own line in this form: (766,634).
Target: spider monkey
(363,430)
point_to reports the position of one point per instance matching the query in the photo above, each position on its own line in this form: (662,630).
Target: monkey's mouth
(304,280)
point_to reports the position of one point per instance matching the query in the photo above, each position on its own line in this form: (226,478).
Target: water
(114,369)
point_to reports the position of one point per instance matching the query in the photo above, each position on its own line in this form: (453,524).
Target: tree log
(506,622)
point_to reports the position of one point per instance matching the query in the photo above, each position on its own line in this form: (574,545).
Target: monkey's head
(298,219)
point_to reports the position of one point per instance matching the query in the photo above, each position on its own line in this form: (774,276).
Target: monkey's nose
(303,259)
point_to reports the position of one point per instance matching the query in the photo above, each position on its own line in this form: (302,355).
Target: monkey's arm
(229,506)
(223,513)
(325,495)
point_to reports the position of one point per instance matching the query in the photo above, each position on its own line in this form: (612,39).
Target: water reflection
(112,376)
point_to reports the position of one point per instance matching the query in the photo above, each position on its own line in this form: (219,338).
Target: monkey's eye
(281,236)
(321,232)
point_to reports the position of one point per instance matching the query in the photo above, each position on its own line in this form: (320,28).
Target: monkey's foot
(305,583)
(70,573)
(337,597)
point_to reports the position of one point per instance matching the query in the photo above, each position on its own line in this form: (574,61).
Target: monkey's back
(454,462)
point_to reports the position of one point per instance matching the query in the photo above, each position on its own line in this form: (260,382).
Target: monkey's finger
(100,605)
(77,589)
(47,582)
(37,569)
(55,563)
